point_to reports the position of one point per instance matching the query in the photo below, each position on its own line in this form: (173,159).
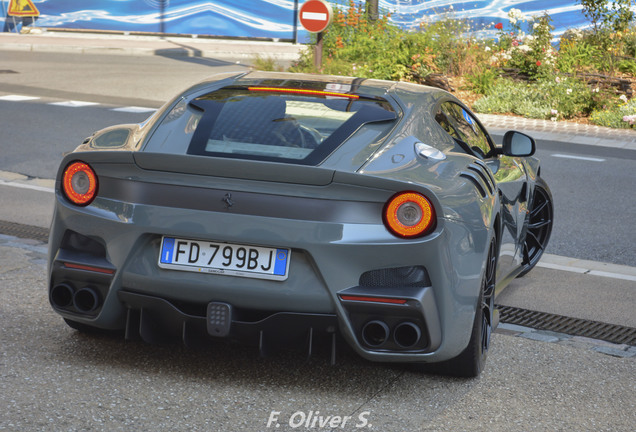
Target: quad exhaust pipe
(84,300)
(375,333)
(62,296)
(406,334)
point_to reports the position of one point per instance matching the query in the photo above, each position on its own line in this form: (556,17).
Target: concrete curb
(562,131)
(592,268)
(150,45)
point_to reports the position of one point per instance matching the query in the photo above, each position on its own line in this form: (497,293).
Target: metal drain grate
(24,231)
(571,326)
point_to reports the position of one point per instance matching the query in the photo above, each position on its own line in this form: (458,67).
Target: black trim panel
(245,203)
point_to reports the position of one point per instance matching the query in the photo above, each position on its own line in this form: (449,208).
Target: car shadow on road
(187,53)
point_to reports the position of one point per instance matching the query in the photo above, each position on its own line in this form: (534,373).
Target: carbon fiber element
(571,326)
(24,231)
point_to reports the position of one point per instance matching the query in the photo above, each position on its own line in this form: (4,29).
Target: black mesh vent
(396,277)
(79,243)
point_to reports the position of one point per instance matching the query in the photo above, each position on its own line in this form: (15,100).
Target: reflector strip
(303,91)
(373,299)
(89,268)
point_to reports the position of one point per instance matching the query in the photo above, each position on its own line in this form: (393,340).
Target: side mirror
(518,144)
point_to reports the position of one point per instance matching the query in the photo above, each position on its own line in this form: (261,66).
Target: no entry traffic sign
(315,15)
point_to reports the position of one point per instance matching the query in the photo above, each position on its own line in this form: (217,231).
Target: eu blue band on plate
(280,264)
(166,250)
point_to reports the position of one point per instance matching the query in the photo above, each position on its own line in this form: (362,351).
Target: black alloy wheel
(488,299)
(470,362)
(539,226)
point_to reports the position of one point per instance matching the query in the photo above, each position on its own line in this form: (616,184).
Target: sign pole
(318,52)
(295,34)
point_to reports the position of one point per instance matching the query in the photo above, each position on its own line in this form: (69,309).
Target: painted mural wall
(274,19)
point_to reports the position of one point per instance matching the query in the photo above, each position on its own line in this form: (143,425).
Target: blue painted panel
(275,18)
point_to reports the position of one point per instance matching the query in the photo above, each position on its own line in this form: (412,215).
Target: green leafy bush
(483,80)
(548,98)
(622,115)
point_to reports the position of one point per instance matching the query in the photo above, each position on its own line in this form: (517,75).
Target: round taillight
(409,214)
(79,183)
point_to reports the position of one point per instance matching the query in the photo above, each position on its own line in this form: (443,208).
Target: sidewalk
(111,43)
(233,50)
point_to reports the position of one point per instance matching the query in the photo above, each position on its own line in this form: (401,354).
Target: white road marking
(134,109)
(562,267)
(612,275)
(73,104)
(590,159)
(18,98)
(26,186)
(586,267)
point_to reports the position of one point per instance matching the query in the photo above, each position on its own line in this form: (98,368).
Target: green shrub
(548,98)
(505,97)
(569,96)
(622,115)
(482,81)
(627,66)
(265,64)
(578,55)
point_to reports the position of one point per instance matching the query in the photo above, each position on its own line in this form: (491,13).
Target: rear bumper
(327,260)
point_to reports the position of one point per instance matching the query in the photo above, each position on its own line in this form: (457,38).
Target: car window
(266,123)
(461,125)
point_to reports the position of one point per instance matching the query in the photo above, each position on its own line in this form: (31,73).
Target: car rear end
(244,218)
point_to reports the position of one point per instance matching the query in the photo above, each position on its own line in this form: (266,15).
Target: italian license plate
(224,258)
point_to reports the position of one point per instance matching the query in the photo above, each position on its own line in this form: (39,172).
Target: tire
(540,221)
(470,363)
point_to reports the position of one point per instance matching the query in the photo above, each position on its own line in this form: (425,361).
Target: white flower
(596,90)
(553,119)
(513,21)
(529,38)
(554,112)
(516,14)
(569,91)
(558,79)
(487,48)
(535,25)
(623,98)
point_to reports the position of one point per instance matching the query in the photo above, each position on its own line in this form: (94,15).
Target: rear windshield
(274,124)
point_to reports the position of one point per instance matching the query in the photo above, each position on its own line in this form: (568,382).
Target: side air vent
(479,174)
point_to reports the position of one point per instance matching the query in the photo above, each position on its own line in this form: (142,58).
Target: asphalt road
(54,378)
(49,131)
(594,210)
